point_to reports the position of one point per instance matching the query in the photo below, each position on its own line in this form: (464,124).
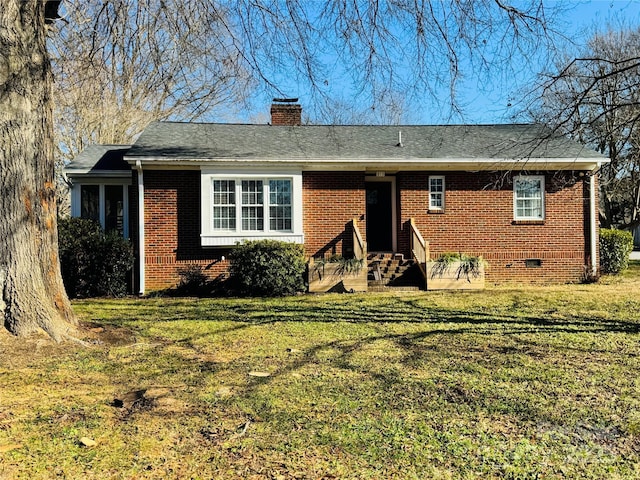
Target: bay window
(239,207)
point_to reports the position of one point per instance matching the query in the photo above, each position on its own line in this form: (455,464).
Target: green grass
(531,382)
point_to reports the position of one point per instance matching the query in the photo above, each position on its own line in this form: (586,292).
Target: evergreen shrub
(615,247)
(93,263)
(267,268)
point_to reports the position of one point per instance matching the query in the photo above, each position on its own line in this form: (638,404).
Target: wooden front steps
(388,271)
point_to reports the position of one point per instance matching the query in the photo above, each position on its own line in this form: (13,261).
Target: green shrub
(193,280)
(93,263)
(615,247)
(267,268)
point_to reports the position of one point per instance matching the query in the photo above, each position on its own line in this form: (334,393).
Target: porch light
(379,174)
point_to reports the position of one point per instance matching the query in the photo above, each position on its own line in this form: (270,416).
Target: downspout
(141,225)
(593,224)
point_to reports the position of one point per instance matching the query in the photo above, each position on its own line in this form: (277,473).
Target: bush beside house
(93,263)
(615,248)
(267,268)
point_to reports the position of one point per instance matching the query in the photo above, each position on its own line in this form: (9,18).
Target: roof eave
(96,173)
(387,164)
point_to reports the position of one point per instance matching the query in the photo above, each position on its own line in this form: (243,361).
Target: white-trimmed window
(528,197)
(248,207)
(280,205)
(224,205)
(436,192)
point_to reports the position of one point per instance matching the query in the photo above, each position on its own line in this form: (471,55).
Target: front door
(379,217)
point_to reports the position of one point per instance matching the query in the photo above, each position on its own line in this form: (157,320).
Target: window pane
(224,218)
(114,208)
(90,202)
(528,188)
(251,192)
(224,209)
(252,205)
(280,205)
(252,218)
(436,185)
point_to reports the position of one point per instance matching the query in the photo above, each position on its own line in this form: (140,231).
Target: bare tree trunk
(33,296)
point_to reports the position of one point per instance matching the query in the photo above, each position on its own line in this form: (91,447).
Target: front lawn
(532,382)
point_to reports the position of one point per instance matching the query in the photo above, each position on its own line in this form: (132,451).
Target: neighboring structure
(523,198)
(636,237)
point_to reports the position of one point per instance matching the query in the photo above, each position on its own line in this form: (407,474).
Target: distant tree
(595,98)
(122,64)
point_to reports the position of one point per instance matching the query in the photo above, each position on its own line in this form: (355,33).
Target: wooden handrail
(419,247)
(359,245)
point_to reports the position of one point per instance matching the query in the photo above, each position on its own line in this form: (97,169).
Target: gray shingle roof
(198,141)
(99,160)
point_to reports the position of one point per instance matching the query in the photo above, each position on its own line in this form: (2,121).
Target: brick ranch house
(523,198)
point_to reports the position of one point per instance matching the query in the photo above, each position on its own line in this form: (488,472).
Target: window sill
(528,222)
(435,211)
(232,240)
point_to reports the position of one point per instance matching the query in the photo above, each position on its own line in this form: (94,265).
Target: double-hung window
(251,207)
(528,197)
(280,205)
(224,205)
(436,193)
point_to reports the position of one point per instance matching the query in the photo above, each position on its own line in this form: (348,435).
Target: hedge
(615,247)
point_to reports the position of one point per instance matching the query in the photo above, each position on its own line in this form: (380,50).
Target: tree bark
(32,293)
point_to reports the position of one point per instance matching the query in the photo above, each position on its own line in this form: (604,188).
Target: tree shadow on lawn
(408,311)
(451,338)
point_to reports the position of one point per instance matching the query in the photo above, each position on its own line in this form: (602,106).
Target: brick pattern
(330,201)
(172,229)
(478,220)
(286,114)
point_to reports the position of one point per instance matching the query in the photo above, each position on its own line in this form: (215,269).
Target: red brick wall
(331,200)
(172,229)
(478,220)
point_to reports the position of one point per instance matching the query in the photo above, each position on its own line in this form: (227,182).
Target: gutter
(141,239)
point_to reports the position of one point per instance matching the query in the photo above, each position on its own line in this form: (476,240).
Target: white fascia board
(369,164)
(97,173)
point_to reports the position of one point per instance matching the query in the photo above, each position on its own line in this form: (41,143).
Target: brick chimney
(286,111)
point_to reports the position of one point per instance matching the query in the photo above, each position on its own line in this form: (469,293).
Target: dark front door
(379,217)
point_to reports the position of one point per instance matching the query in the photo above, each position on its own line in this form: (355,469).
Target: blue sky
(483,102)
